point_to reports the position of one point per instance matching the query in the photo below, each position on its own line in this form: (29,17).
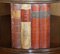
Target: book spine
(35,26)
(25,26)
(15,25)
(26,35)
(44,26)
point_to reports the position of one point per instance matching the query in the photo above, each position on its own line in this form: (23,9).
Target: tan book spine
(25,26)
(26,35)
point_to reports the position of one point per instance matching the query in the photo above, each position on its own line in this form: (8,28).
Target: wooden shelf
(29,1)
(19,51)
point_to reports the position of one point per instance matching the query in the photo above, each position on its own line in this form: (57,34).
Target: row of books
(30,26)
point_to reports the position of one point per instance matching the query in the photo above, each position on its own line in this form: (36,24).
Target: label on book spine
(25,12)
(15,11)
(26,35)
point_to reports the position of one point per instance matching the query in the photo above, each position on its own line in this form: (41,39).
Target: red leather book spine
(44,26)
(15,25)
(25,26)
(35,26)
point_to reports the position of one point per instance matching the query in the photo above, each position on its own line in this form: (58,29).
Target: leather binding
(25,26)
(15,25)
(35,26)
(45,26)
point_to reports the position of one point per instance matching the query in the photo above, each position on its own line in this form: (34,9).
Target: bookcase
(9,44)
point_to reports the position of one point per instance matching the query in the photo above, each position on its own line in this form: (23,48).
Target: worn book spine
(35,26)
(26,35)
(25,26)
(44,26)
(15,25)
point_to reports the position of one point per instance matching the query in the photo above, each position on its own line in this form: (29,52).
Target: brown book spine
(35,26)
(44,26)
(25,26)
(15,25)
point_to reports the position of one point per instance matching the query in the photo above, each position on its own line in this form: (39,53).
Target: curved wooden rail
(29,1)
(29,51)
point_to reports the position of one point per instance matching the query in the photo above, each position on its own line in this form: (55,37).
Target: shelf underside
(29,1)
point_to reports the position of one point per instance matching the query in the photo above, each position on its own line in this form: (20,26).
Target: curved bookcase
(29,51)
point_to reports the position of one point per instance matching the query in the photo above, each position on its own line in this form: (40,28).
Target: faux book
(30,26)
